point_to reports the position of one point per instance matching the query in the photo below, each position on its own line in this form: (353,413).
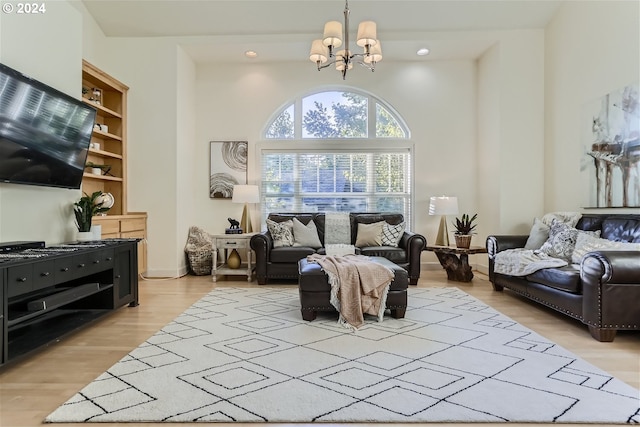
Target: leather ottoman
(315,291)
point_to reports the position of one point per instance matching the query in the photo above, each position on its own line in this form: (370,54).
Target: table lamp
(246,194)
(443,205)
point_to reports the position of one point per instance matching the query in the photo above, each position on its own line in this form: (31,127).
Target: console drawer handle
(96,261)
(64,269)
(117,276)
(45,274)
(81,265)
(22,279)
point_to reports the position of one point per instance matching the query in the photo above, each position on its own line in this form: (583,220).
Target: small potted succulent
(464,230)
(84,210)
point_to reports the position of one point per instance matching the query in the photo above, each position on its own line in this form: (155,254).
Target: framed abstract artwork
(610,164)
(228,167)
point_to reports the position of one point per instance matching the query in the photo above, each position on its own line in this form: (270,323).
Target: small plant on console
(465,224)
(464,229)
(85,208)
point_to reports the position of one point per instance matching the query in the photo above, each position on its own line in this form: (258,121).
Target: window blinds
(349,180)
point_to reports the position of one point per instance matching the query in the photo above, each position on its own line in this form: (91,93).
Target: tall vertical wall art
(610,166)
(228,167)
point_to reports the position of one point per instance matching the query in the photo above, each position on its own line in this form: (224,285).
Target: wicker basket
(200,261)
(199,252)
(463,241)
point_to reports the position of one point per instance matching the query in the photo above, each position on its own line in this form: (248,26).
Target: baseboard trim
(164,274)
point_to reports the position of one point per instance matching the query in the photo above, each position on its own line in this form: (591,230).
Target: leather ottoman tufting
(315,291)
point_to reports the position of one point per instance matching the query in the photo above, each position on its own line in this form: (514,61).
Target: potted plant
(84,210)
(464,230)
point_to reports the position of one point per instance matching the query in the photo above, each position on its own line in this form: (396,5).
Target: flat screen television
(44,133)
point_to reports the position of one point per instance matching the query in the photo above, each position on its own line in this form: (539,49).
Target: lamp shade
(332,34)
(367,34)
(319,52)
(245,194)
(375,54)
(443,205)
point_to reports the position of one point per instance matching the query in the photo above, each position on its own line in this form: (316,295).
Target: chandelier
(322,50)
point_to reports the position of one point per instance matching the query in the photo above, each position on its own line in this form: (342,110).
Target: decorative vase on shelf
(234,260)
(96,229)
(84,236)
(463,241)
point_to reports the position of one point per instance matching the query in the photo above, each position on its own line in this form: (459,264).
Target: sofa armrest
(497,244)
(611,289)
(262,243)
(413,244)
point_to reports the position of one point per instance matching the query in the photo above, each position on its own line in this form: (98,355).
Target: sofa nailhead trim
(555,307)
(597,325)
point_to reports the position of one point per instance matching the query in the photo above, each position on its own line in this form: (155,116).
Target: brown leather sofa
(603,292)
(282,263)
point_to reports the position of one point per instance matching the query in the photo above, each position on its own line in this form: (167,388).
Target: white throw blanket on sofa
(337,228)
(521,262)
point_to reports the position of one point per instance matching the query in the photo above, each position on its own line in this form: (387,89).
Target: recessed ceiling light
(250,54)
(422,52)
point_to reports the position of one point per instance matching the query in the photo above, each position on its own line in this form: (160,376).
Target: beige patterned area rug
(245,354)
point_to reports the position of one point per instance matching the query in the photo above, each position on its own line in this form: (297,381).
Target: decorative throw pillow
(369,234)
(538,235)
(305,235)
(391,234)
(586,243)
(282,233)
(569,218)
(562,240)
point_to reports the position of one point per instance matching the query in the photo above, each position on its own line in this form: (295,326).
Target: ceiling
(222,30)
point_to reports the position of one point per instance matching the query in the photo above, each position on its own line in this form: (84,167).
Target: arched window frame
(372,101)
(369,144)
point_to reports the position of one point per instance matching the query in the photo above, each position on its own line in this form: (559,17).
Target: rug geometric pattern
(245,354)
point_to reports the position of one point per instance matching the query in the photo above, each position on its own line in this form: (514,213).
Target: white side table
(225,243)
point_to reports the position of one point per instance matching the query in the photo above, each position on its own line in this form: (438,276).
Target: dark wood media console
(46,293)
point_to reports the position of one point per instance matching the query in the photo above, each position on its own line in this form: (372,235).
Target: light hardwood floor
(34,387)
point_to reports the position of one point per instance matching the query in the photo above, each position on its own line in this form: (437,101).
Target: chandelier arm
(328,64)
(371,66)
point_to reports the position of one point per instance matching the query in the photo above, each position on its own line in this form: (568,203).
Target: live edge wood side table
(456,260)
(228,242)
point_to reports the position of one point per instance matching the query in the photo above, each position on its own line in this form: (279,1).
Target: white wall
(592,48)
(186,153)
(149,66)
(436,99)
(510,113)
(47,47)
(489,141)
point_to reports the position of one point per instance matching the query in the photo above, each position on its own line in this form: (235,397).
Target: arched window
(336,150)
(336,114)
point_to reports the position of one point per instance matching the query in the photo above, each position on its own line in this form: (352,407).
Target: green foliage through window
(282,126)
(336,115)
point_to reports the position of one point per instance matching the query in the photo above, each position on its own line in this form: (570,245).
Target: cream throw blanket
(358,286)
